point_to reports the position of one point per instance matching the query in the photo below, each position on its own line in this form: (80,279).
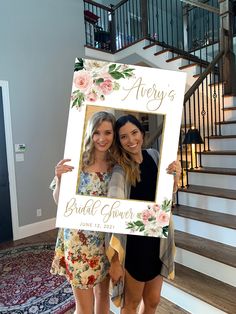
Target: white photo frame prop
(112,87)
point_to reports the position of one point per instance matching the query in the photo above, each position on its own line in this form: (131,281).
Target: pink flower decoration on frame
(146,215)
(152,221)
(83,80)
(163,219)
(92,96)
(106,87)
(94,80)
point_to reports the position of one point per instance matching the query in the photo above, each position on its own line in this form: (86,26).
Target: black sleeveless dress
(142,253)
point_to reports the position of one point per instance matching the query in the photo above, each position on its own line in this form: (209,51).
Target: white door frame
(10,158)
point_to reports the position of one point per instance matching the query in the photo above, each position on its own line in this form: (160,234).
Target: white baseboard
(35,228)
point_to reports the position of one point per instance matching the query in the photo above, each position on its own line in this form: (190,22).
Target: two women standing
(139,261)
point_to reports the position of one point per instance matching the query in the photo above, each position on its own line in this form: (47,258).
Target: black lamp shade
(193,137)
(102,36)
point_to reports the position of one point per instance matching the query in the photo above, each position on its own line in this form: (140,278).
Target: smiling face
(103,136)
(131,139)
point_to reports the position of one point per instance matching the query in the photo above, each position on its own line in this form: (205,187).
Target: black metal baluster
(199,127)
(186,145)
(203,115)
(218,102)
(162,24)
(167,31)
(211,106)
(207,114)
(177,26)
(171,26)
(133,25)
(153,29)
(190,125)
(123,24)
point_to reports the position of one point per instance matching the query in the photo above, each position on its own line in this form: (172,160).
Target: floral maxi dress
(80,254)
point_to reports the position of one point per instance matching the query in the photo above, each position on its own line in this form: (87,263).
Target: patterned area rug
(26,285)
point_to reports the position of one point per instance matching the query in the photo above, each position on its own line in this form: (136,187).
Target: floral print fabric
(80,254)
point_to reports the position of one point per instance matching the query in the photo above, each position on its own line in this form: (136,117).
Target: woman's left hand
(116,272)
(175,169)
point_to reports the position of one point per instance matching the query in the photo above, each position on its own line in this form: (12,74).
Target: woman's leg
(84,300)
(101,293)
(133,294)
(151,295)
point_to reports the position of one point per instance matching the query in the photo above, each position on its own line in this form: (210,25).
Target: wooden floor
(165,306)
(45,237)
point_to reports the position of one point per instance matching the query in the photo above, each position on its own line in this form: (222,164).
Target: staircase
(205,222)
(205,219)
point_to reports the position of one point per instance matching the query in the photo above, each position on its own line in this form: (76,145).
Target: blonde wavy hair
(124,159)
(94,122)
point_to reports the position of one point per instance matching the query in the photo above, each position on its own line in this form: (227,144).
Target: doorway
(6,232)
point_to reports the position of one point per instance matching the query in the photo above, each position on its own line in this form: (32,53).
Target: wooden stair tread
(214,170)
(204,215)
(207,289)
(206,248)
(167,307)
(229,108)
(210,191)
(204,65)
(176,58)
(162,51)
(190,58)
(231,95)
(188,66)
(226,122)
(215,83)
(221,136)
(219,152)
(149,46)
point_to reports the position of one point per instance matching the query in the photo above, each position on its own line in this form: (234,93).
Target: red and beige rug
(26,285)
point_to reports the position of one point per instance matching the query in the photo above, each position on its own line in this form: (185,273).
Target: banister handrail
(101,6)
(197,83)
(203,6)
(119,4)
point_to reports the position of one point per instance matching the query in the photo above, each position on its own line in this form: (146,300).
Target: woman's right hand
(61,168)
(116,271)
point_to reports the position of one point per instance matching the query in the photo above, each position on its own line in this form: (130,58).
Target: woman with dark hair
(145,259)
(80,254)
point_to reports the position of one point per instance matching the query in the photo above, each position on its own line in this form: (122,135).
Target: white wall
(39,43)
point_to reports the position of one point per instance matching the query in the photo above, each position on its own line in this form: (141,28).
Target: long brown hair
(130,166)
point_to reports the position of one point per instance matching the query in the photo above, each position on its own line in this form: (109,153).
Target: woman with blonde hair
(79,254)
